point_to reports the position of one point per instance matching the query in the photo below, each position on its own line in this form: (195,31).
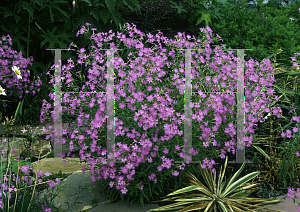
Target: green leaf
(217,14)
(95,14)
(16,37)
(39,2)
(179,8)
(222,1)
(116,18)
(35,65)
(171,206)
(278,89)
(222,206)
(54,4)
(17,18)
(287,73)
(110,5)
(283,63)
(7,13)
(205,17)
(87,1)
(262,152)
(221,187)
(51,14)
(67,55)
(81,21)
(188,189)
(291,92)
(148,186)
(39,27)
(19,6)
(132,4)
(14,166)
(19,108)
(280,174)
(29,8)
(61,11)
(292,169)
(55,39)
(239,182)
(104,13)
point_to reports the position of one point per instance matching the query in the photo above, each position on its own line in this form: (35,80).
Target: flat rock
(54,165)
(19,144)
(70,190)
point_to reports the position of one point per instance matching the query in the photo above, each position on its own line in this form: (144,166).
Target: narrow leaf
(239,183)
(262,152)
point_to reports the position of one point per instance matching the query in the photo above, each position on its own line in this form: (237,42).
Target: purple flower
(111,184)
(51,184)
(175,173)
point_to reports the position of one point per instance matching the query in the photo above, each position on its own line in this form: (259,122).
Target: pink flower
(175,173)
(74,4)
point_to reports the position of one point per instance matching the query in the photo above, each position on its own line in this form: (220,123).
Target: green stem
(6,75)
(28,34)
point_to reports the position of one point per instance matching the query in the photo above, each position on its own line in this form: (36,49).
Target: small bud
(73,3)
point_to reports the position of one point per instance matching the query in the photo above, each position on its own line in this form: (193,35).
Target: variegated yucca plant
(232,198)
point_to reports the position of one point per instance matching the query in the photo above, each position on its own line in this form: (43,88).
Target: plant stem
(28,34)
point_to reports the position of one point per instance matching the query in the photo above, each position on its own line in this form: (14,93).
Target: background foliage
(265,30)
(37,25)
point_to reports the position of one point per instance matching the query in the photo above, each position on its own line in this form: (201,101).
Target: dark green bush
(157,15)
(265,30)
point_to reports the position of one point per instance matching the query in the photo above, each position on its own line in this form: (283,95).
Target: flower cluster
(18,61)
(154,150)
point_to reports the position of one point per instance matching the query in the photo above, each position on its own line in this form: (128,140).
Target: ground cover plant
(139,169)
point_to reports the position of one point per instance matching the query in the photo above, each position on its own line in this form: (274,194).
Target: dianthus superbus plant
(147,151)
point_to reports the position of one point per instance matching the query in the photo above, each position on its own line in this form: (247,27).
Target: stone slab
(72,186)
(52,166)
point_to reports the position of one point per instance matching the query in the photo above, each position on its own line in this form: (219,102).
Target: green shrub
(156,15)
(265,30)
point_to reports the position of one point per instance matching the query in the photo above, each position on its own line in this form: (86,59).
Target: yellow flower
(2,91)
(17,71)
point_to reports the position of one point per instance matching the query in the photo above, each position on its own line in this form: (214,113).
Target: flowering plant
(221,196)
(15,69)
(19,175)
(18,62)
(291,130)
(137,155)
(152,176)
(293,145)
(291,195)
(140,169)
(11,61)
